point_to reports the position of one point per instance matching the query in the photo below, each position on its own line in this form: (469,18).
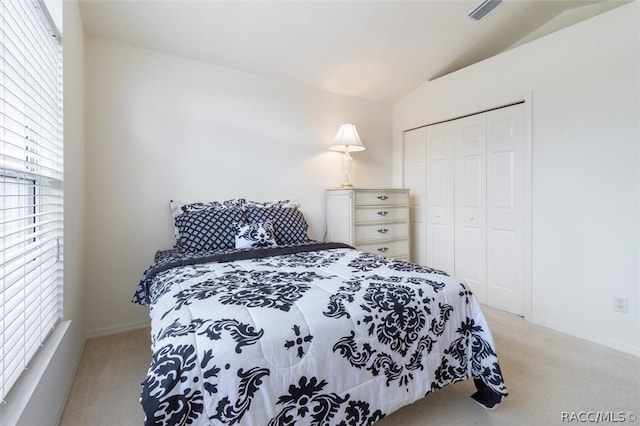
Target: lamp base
(347,165)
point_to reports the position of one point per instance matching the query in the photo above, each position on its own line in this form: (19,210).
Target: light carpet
(552,379)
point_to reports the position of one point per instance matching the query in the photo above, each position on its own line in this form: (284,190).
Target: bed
(278,329)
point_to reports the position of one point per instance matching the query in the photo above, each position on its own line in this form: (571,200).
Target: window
(31,174)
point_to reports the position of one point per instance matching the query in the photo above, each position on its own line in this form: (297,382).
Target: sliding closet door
(415,172)
(470,182)
(507,194)
(440,199)
(470,204)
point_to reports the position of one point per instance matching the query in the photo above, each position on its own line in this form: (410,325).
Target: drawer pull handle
(383,212)
(383,230)
(383,249)
(382,197)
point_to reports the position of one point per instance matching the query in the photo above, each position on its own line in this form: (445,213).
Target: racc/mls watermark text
(598,416)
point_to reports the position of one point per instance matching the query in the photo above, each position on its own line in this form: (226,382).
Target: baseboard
(622,347)
(120,328)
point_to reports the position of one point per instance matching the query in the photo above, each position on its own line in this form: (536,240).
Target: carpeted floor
(552,379)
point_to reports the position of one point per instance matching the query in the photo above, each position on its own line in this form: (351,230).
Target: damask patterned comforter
(316,334)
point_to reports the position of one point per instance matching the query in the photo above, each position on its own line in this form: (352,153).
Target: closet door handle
(383,249)
(383,230)
(383,212)
(382,197)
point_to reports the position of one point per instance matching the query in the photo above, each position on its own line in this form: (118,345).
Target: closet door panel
(503,244)
(415,178)
(470,205)
(471,266)
(506,198)
(503,180)
(436,247)
(439,222)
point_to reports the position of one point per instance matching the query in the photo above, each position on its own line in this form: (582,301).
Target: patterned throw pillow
(288,222)
(255,235)
(208,229)
(272,204)
(181,207)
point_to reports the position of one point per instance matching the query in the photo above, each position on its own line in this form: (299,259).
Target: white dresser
(371,220)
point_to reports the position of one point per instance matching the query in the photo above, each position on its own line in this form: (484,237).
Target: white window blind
(31,174)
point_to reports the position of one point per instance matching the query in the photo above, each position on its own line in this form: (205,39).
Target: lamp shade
(347,140)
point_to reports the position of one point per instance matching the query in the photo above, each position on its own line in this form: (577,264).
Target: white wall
(39,397)
(161,127)
(585,88)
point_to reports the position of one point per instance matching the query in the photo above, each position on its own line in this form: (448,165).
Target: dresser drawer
(381,214)
(380,198)
(390,231)
(388,248)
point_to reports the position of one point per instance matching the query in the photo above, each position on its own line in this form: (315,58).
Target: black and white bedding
(306,334)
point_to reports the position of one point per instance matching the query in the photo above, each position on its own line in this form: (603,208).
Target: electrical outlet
(620,304)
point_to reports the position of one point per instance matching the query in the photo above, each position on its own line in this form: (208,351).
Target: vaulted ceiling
(377,50)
